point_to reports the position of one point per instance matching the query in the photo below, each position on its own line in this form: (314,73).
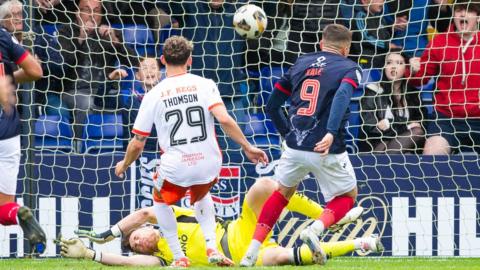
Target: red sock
(8,213)
(336,210)
(270,213)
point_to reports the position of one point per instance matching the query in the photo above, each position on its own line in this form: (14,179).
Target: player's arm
(233,130)
(74,248)
(229,125)
(340,104)
(274,109)
(134,149)
(135,260)
(124,226)
(141,130)
(30,69)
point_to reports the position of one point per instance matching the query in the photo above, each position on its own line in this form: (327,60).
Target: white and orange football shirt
(179,106)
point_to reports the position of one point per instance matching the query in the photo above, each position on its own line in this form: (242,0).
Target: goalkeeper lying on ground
(233,237)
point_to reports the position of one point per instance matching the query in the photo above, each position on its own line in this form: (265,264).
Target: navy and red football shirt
(11,54)
(312,84)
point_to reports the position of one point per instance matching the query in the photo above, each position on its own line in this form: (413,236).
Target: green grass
(337,264)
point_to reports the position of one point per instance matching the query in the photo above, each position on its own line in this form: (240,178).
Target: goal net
(99,59)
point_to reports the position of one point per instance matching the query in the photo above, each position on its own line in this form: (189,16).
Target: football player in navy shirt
(12,54)
(319,86)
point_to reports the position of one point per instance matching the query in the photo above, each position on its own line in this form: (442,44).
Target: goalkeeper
(233,237)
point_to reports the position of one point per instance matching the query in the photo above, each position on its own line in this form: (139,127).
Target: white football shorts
(334,172)
(9,164)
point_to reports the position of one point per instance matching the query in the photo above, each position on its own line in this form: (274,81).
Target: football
(250,21)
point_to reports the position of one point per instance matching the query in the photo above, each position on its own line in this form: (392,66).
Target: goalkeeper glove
(74,248)
(100,238)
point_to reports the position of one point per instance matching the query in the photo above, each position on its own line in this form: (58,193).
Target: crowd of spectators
(89,68)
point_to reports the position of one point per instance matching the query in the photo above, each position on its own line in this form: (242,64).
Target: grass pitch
(343,263)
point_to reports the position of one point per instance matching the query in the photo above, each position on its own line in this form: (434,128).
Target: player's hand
(74,248)
(120,169)
(256,155)
(100,238)
(323,146)
(117,74)
(383,125)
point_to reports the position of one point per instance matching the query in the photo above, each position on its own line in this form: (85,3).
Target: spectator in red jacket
(454,58)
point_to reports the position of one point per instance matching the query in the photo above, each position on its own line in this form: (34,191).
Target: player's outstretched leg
(270,213)
(334,211)
(309,237)
(311,240)
(32,230)
(368,244)
(351,216)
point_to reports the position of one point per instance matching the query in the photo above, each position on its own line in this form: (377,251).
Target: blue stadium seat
(369,76)
(253,73)
(353,127)
(268,77)
(53,133)
(259,124)
(260,130)
(165,32)
(426,96)
(48,28)
(355,120)
(347,9)
(128,82)
(427,91)
(138,37)
(103,133)
(265,141)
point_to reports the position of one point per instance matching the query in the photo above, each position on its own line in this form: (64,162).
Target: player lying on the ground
(235,236)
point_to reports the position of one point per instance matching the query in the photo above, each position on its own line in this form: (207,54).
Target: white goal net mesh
(100,57)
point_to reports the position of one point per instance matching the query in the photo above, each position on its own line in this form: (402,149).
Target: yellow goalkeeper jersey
(233,241)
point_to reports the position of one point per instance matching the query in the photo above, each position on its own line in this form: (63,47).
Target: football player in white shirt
(183,108)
